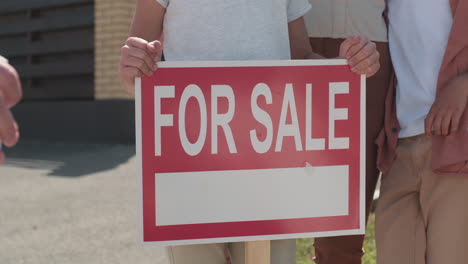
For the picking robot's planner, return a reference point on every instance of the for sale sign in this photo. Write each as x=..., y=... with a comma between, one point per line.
x=257, y=150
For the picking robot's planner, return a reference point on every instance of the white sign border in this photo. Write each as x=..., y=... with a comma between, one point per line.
x=260, y=63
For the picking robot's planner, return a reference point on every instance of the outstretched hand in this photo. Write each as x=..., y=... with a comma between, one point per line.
x=10, y=94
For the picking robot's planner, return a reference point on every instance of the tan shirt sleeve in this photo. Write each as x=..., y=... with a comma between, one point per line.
x=345, y=18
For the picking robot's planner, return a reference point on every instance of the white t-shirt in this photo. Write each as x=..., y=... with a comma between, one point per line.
x=418, y=36
x=212, y=30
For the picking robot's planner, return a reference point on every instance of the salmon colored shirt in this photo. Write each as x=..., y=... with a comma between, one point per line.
x=449, y=153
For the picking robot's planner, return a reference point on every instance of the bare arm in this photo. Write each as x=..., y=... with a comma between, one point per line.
x=148, y=20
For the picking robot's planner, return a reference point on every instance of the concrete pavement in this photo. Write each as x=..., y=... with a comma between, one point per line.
x=71, y=203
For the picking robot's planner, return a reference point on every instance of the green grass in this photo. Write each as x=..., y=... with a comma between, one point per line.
x=305, y=251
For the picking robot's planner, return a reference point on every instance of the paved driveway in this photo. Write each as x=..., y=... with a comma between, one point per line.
x=71, y=203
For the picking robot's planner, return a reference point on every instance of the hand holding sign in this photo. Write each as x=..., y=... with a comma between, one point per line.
x=138, y=58
x=362, y=55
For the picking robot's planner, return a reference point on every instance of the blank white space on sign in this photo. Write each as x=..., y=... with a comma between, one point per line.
x=251, y=195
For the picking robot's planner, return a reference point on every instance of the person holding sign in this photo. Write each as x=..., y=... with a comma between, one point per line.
x=328, y=24
x=212, y=30
x=10, y=94
x=422, y=215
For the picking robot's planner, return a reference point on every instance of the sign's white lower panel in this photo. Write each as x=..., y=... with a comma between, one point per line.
x=251, y=195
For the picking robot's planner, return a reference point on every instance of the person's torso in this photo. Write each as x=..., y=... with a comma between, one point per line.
x=346, y=18
x=229, y=30
x=418, y=35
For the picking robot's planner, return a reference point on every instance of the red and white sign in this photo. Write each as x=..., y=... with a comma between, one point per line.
x=250, y=150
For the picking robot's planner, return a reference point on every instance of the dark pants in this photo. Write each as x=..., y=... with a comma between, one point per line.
x=348, y=249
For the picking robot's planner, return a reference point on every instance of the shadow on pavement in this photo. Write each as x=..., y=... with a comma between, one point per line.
x=68, y=159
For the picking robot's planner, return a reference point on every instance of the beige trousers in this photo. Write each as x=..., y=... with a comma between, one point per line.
x=282, y=252
x=422, y=217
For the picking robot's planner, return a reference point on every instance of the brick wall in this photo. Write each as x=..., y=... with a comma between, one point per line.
x=112, y=23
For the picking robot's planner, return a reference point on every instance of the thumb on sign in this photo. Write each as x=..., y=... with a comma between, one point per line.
x=155, y=50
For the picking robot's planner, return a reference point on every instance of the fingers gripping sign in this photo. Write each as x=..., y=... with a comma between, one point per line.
x=362, y=55
x=138, y=58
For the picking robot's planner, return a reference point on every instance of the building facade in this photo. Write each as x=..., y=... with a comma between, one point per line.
x=67, y=54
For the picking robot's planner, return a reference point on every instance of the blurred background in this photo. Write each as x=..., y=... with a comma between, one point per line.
x=67, y=53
